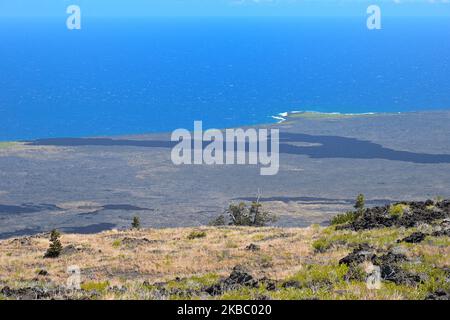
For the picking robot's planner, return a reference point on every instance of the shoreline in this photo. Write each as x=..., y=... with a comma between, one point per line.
x=278, y=119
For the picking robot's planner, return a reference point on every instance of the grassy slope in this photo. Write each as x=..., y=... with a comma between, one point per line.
x=308, y=255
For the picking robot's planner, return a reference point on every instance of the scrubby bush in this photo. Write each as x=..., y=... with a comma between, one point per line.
x=55, y=247
x=396, y=210
x=136, y=223
x=344, y=218
x=321, y=245
x=117, y=243
x=196, y=234
x=253, y=215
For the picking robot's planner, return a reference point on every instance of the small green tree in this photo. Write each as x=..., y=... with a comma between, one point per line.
x=136, y=223
x=55, y=247
x=360, y=202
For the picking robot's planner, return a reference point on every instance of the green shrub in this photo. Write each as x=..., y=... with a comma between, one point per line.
x=196, y=235
x=321, y=245
x=117, y=243
x=55, y=247
x=397, y=210
x=344, y=218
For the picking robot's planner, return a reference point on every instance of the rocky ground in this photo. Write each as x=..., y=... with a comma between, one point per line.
x=404, y=245
x=88, y=185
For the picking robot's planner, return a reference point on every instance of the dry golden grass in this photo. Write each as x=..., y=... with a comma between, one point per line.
x=130, y=258
x=168, y=254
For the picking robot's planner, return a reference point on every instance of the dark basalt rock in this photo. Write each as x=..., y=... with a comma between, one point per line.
x=439, y=295
x=389, y=258
x=441, y=233
x=239, y=277
x=443, y=229
x=393, y=273
x=418, y=212
x=388, y=263
x=36, y=293
x=360, y=254
x=291, y=284
x=415, y=237
x=43, y=273
x=252, y=247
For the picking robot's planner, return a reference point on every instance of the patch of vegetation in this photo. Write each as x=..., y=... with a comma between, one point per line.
x=377, y=237
x=321, y=245
x=344, y=218
x=351, y=216
x=117, y=243
x=258, y=237
x=397, y=210
x=196, y=235
x=435, y=278
x=252, y=216
x=95, y=286
x=317, y=274
x=55, y=247
x=231, y=244
x=136, y=223
x=443, y=242
x=194, y=283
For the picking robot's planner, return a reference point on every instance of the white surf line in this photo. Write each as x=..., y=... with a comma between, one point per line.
x=281, y=117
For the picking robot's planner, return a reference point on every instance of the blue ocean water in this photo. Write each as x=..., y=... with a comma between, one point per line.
x=123, y=76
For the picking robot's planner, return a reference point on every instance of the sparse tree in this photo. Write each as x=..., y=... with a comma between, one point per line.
x=253, y=215
x=55, y=247
x=360, y=202
x=136, y=223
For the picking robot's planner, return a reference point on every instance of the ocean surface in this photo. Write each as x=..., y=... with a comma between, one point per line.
x=125, y=76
